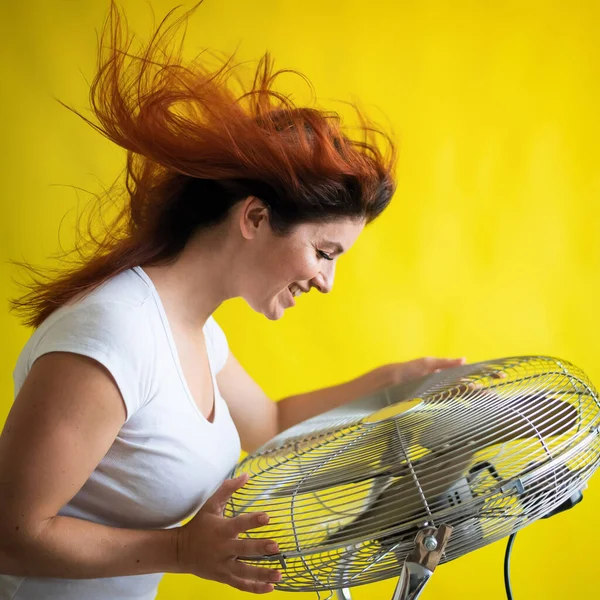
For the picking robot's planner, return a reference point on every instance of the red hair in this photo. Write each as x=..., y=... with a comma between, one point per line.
x=195, y=148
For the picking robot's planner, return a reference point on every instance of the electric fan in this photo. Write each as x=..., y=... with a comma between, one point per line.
x=422, y=473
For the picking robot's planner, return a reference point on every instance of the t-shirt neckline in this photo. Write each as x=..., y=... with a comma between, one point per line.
x=174, y=352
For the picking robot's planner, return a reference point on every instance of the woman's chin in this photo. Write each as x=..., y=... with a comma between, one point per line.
x=276, y=309
x=273, y=311
x=272, y=317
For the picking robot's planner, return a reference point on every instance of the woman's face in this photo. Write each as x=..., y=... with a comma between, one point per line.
x=279, y=268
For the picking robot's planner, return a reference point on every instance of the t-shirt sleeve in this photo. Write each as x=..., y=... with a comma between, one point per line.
x=112, y=333
x=218, y=342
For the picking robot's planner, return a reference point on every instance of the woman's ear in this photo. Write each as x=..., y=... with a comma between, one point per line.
x=253, y=215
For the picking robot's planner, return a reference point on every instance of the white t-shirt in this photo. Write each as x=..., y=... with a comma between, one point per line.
x=167, y=459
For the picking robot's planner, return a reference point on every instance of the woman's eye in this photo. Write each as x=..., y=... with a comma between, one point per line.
x=324, y=255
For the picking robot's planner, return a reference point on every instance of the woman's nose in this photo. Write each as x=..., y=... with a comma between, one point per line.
x=324, y=279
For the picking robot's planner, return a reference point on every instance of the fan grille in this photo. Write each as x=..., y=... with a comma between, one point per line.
x=486, y=448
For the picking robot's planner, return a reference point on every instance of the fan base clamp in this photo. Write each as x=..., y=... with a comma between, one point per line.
x=419, y=564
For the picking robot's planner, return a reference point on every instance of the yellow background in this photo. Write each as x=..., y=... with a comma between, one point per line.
x=490, y=247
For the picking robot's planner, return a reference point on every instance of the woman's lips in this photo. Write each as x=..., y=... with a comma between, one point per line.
x=292, y=299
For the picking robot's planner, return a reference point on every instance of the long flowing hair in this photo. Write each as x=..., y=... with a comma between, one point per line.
x=194, y=148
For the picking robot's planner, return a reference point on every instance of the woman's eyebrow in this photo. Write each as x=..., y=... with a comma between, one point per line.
x=336, y=245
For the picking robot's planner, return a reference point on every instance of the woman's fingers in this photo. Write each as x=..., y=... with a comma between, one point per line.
x=473, y=386
x=431, y=364
x=245, y=522
x=250, y=572
x=248, y=548
x=212, y=546
x=445, y=363
x=216, y=503
x=254, y=587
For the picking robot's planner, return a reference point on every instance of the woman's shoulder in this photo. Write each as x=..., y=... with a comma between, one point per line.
x=110, y=311
x=113, y=319
x=109, y=325
x=128, y=288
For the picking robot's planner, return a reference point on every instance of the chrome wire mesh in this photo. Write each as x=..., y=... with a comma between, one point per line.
x=486, y=448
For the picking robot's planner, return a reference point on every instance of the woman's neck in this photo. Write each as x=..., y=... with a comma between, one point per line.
x=197, y=282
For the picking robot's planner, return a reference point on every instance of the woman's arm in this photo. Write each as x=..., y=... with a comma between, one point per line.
x=295, y=409
x=65, y=547
x=66, y=416
x=259, y=419
x=64, y=420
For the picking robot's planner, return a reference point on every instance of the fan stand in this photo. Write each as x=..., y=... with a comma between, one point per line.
x=419, y=564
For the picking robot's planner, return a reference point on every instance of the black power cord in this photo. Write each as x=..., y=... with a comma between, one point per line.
x=509, y=546
x=570, y=502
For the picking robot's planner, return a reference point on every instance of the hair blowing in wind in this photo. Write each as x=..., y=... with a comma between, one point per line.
x=198, y=140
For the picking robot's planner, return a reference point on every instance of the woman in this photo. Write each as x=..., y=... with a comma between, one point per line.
x=130, y=410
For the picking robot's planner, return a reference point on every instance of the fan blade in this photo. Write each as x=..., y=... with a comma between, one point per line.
x=402, y=499
x=523, y=416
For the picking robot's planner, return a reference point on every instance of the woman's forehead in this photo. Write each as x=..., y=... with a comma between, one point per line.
x=342, y=232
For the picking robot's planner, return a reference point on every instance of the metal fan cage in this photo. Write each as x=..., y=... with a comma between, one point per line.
x=485, y=448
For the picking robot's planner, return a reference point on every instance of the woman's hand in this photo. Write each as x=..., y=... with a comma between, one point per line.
x=395, y=373
x=208, y=545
